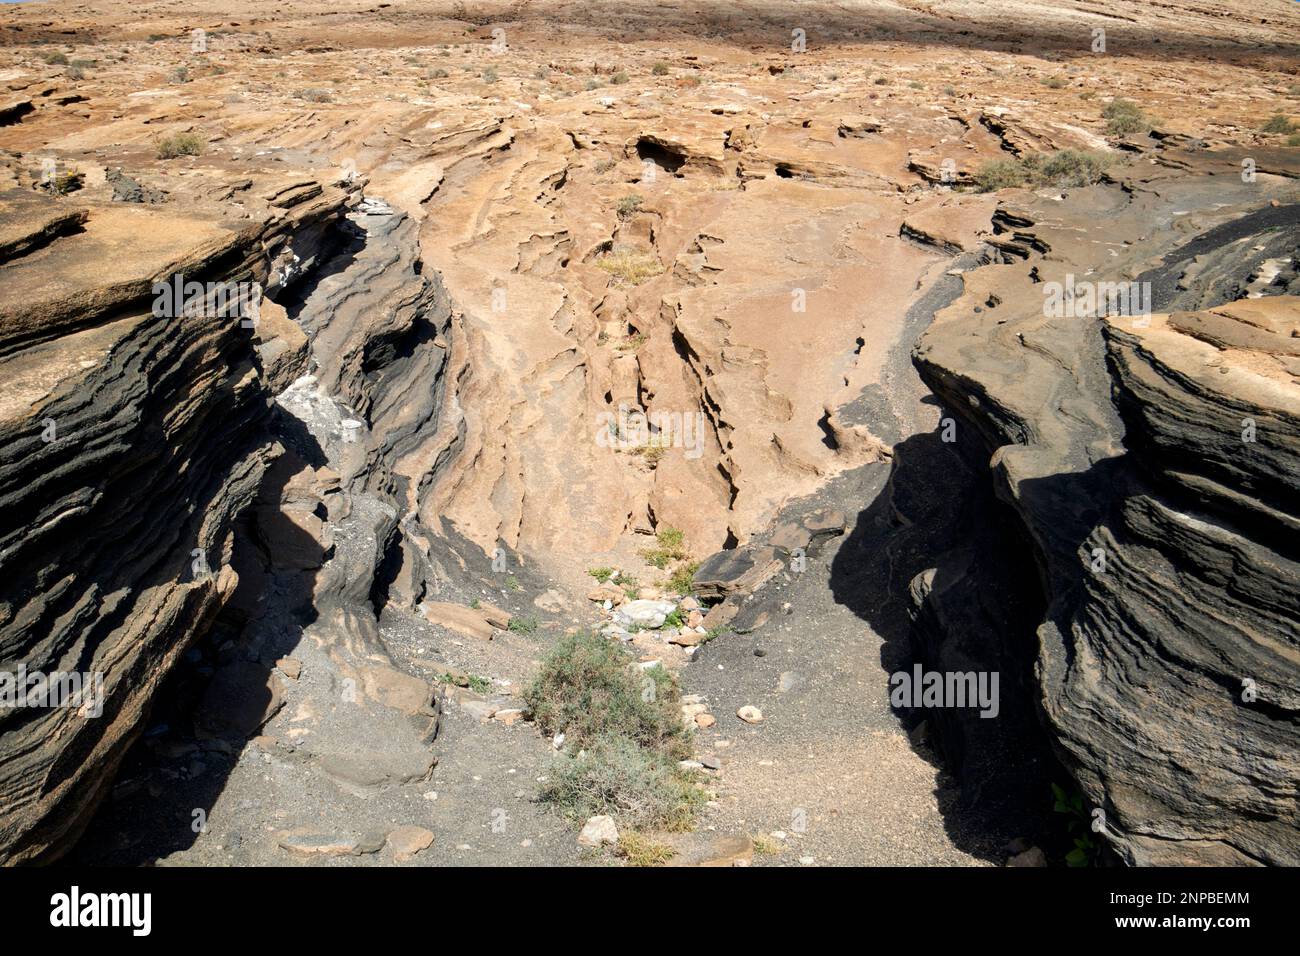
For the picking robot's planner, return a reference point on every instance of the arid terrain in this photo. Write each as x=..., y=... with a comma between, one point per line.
x=630, y=392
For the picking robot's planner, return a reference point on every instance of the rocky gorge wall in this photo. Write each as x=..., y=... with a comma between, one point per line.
x=1150, y=465
x=221, y=480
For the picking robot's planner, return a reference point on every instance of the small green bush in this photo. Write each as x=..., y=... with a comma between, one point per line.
x=629, y=204
x=489, y=75
x=180, y=144
x=619, y=78
x=1279, y=123
x=672, y=547
x=523, y=624
x=1067, y=168
x=1125, y=118
x=683, y=577
x=55, y=59
x=1070, y=167
x=601, y=574
x=1054, y=82
x=589, y=687
x=1000, y=174
x=614, y=776
x=660, y=68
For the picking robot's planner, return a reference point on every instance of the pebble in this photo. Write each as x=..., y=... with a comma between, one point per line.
x=407, y=841
x=750, y=714
x=598, y=831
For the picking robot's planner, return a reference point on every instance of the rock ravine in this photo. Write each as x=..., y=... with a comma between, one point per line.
x=907, y=395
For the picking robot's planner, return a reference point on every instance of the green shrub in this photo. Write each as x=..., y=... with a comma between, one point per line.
x=1067, y=168
x=1125, y=118
x=614, y=776
x=601, y=574
x=660, y=68
x=1000, y=174
x=683, y=578
x=672, y=547
x=180, y=144
x=1054, y=82
x=1293, y=139
x=523, y=624
x=489, y=75
x=55, y=59
x=619, y=78
x=1279, y=123
x=589, y=687
x=639, y=850
x=628, y=205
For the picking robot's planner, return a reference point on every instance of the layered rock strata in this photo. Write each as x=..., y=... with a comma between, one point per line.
x=1150, y=464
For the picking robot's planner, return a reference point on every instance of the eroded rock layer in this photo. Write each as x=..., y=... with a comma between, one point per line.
x=1151, y=461
x=139, y=436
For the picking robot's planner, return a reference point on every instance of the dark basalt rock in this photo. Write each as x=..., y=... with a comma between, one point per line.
x=1163, y=538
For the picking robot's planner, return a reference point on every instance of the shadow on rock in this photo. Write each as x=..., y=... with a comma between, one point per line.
x=229, y=684
x=939, y=570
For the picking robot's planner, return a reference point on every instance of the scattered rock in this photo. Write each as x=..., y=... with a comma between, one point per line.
x=458, y=618
x=508, y=715
x=479, y=709
x=407, y=841
x=598, y=831
x=1031, y=857
x=750, y=714
x=497, y=617
x=330, y=844
x=290, y=667
x=644, y=613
